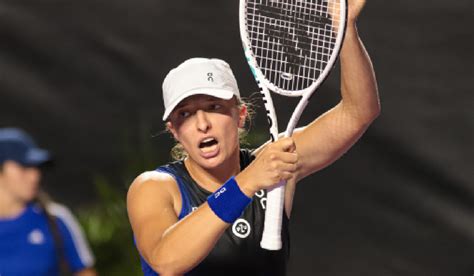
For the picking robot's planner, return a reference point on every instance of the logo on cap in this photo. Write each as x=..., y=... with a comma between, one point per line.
x=210, y=77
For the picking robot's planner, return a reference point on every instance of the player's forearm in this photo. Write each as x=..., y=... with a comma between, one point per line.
x=188, y=242
x=358, y=83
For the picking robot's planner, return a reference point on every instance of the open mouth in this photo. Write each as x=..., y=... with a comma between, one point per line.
x=208, y=144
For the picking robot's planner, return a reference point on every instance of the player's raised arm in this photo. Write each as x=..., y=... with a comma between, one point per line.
x=291, y=49
x=332, y=134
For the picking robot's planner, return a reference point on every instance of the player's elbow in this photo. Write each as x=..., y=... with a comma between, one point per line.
x=362, y=112
x=167, y=264
x=165, y=267
x=373, y=112
x=368, y=113
x=362, y=118
x=375, y=107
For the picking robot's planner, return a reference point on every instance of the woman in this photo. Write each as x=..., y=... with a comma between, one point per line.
x=203, y=215
x=37, y=237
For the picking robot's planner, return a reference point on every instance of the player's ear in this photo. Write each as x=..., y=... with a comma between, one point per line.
x=242, y=115
x=172, y=130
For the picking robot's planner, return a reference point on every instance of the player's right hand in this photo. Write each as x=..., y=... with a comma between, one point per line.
x=277, y=162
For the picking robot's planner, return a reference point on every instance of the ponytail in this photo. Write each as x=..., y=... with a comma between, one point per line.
x=43, y=200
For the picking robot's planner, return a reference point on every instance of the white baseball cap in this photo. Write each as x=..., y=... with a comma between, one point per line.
x=195, y=76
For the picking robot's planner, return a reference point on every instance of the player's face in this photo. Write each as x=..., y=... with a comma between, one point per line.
x=19, y=182
x=207, y=127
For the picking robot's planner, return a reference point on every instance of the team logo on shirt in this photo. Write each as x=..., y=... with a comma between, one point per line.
x=36, y=237
x=241, y=228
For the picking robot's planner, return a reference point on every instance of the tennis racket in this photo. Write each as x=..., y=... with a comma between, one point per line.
x=291, y=46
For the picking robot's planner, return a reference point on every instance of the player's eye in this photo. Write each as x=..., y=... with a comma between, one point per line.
x=184, y=114
x=215, y=106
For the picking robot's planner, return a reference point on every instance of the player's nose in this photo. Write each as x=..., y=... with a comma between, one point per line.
x=202, y=121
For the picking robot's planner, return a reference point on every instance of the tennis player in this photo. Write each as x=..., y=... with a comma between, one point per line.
x=37, y=237
x=203, y=214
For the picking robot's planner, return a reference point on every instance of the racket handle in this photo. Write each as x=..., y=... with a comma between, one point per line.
x=271, y=237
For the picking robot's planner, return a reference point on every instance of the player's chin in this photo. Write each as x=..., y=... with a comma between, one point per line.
x=211, y=161
x=214, y=161
x=28, y=196
x=209, y=153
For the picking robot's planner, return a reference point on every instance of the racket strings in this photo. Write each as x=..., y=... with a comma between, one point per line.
x=292, y=40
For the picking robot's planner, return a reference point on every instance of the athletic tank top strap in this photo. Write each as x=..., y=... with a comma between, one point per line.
x=176, y=172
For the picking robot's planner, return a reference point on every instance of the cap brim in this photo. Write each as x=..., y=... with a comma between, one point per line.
x=36, y=157
x=218, y=93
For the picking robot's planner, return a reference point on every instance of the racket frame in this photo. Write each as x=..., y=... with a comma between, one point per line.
x=271, y=237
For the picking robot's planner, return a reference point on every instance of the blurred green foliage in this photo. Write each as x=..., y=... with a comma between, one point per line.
x=108, y=231
x=105, y=223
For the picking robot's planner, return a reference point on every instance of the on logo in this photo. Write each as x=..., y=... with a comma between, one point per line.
x=241, y=228
x=263, y=199
x=210, y=77
x=221, y=191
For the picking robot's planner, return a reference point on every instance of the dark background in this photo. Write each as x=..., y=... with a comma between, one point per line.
x=84, y=77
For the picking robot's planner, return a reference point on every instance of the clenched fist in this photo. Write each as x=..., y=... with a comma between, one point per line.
x=278, y=161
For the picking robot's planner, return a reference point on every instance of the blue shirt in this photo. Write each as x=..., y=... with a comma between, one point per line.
x=27, y=243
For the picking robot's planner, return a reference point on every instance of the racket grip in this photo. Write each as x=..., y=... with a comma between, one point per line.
x=271, y=237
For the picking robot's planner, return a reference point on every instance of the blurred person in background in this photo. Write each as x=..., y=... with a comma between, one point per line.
x=37, y=236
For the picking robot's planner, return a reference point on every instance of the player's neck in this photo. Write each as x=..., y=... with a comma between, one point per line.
x=212, y=179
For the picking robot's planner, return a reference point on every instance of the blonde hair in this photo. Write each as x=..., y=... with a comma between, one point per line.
x=178, y=152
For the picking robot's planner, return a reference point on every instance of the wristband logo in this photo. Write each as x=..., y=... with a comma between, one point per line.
x=241, y=228
x=220, y=192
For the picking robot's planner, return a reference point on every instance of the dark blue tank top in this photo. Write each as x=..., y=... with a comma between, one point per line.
x=238, y=251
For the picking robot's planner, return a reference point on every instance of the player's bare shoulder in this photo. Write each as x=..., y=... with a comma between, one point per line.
x=153, y=186
x=151, y=180
x=153, y=177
